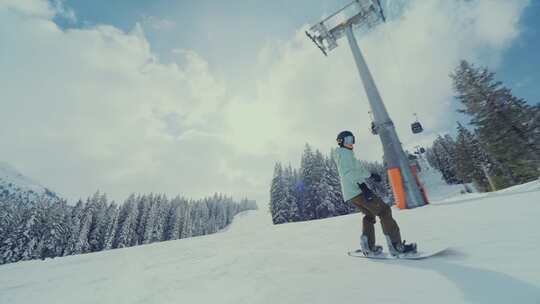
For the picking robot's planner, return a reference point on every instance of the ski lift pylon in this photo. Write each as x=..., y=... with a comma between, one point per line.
x=374, y=130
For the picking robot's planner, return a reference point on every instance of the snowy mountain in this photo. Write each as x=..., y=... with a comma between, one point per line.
x=16, y=187
x=493, y=259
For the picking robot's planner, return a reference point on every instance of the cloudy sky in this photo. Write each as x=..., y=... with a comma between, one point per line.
x=197, y=97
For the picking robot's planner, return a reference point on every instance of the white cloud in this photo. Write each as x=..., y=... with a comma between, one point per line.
x=63, y=11
x=84, y=109
x=93, y=108
x=158, y=23
x=36, y=9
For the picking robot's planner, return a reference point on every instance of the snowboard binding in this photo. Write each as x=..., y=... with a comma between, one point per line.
x=401, y=248
x=367, y=250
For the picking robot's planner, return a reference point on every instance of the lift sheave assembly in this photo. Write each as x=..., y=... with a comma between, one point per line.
x=361, y=15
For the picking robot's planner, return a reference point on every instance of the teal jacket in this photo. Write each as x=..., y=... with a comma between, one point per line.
x=350, y=171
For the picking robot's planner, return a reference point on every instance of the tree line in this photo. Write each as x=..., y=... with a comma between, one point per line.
x=503, y=147
x=314, y=190
x=49, y=228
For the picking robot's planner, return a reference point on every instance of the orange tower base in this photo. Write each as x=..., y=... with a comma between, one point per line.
x=396, y=181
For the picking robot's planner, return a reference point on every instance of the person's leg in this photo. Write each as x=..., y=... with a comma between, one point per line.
x=368, y=229
x=378, y=208
x=368, y=222
x=388, y=224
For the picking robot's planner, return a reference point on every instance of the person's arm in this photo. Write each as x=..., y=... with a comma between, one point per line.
x=358, y=174
x=365, y=173
x=352, y=169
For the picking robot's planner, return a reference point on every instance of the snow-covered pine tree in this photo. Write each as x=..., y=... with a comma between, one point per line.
x=160, y=222
x=110, y=226
x=205, y=218
x=230, y=209
x=199, y=218
x=174, y=220
x=278, y=199
x=212, y=205
x=28, y=237
x=144, y=204
x=149, y=219
x=247, y=204
x=49, y=227
x=10, y=219
x=533, y=124
x=55, y=231
x=291, y=204
x=309, y=175
x=214, y=209
x=318, y=190
x=297, y=193
x=75, y=226
x=442, y=156
x=187, y=227
x=327, y=204
x=210, y=224
x=470, y=159
x=98, y=229
x=433, y=159
x=66, y=233
x=81, y=245
x=194, y=218
x=127, y=223
x=11, y=246
x=506, y=124
x=221, y=217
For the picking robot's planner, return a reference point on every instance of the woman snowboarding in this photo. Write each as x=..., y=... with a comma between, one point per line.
x=353, y=178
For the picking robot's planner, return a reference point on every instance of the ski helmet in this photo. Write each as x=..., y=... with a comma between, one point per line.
x=345, y=137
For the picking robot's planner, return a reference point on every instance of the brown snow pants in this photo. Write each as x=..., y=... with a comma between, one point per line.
x=371, y=209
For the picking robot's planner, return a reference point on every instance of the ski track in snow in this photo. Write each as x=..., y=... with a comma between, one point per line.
x=494, y=240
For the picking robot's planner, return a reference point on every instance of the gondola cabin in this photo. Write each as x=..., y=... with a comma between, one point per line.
x=416, y=127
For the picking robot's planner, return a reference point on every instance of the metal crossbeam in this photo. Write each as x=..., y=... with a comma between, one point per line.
x=363, y=14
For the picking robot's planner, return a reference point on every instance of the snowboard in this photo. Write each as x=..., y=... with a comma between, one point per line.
x=421, y=254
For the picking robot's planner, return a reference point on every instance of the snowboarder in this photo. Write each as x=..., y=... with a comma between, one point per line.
x=355, y=190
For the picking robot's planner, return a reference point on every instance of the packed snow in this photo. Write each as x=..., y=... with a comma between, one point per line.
x=493, y=258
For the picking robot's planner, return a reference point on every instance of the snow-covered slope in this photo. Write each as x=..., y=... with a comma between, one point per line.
x=437, y=189
x=16, y=186
x=494, y=259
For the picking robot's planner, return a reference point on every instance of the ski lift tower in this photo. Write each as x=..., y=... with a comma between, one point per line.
x=364, y=15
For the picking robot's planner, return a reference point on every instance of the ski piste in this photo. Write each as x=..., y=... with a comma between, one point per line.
x=422, y=254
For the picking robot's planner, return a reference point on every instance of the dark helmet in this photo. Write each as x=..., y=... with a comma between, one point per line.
x=345, y=137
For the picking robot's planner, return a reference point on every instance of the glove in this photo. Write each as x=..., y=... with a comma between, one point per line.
x=366, y=192
x=375, y=177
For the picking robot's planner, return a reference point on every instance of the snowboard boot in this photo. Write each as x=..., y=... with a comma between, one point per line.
x=400, y=248
x=366, y=249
